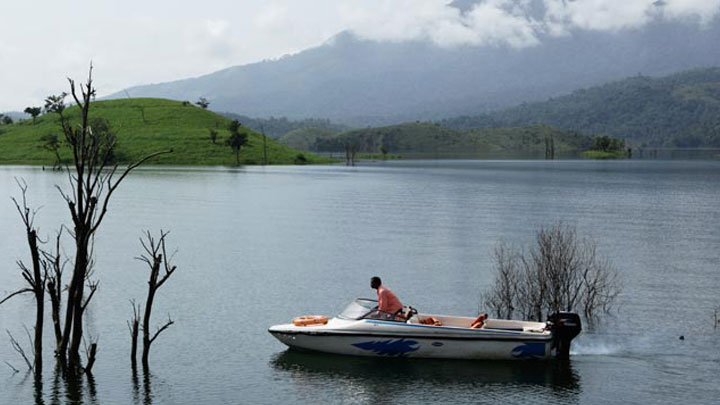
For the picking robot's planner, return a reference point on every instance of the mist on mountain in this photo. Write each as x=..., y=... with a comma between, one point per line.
x=359, y=81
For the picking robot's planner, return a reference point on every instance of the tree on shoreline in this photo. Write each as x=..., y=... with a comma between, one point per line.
x=236, y=140
x=50, y=142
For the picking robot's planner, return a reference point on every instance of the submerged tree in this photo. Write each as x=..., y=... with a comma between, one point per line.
x=501, y=299
x=54, y=264
x=351, y=149
x=161, y=268
x=93, y=179
x=34, y=276
x=562, y=272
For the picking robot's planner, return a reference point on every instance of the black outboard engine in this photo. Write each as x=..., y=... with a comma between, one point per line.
x=564, y=326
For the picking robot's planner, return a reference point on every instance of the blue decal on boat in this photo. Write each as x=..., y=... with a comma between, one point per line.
x=399, y=347
x=437, y=344
x=529, y=350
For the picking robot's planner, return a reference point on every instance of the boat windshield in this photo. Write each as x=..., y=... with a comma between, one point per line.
x=358, y=309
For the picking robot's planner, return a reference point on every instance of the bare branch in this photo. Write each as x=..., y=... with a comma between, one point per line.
x=18, y=292
x=113, y=186
x=18, y=348
x=93, y=285
x=90, y=353
x=162, y=328
x=13, y=368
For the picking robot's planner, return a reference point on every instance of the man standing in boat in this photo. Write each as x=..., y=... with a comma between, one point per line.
x=388, y=303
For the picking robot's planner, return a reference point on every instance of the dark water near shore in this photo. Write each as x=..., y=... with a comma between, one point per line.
x=257, y=246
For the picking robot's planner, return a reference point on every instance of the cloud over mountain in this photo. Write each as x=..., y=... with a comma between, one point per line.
x=515, y=23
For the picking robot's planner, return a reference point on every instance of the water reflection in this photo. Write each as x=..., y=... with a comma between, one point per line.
x=38, y=389
x=143, y=396
x=410, y=380
x=64, y=387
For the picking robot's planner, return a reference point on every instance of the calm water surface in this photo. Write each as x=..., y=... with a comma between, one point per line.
x=257, y=246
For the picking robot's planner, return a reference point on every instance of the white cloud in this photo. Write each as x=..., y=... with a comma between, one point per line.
x=514, y=23
x=703, y=11
x=489, y=23
x=216, y=28
x=598, y=15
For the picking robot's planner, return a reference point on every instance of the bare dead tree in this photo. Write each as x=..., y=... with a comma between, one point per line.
x=34, y=276
x=54, y=265
x=532, y=288
x=134, y=327
x=562, y=272
x=265, y=155
x=561, y=260
x=350, y=151
x=601, y=288
x=93, y=178
x=502, y=298
x=157, y=259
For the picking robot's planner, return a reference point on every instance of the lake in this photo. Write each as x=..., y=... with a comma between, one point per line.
x=257, y=246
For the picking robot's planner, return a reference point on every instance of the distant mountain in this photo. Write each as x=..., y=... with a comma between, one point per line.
x=434, y=140
x=680, y=110
x=361, y=82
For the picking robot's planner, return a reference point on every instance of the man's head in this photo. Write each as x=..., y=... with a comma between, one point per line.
x=375, y=282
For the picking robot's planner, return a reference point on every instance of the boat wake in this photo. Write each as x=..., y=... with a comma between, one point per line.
x=594, y=348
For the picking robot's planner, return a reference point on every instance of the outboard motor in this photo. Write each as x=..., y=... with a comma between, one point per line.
x=564, y=326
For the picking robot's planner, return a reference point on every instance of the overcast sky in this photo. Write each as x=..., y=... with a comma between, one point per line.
x=135, y=42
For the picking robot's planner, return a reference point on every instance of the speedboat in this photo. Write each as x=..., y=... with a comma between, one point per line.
x=362, y=330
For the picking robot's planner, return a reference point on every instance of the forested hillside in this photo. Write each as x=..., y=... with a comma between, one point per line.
x=681, y=110
x=434, y=140
x=276, y=127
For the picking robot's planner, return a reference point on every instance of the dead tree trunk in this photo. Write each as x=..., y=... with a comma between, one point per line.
x=133, y=326
x=34, y=277
x=54, y=268
x=157, y=259
x=265, y=159
x=93, y=179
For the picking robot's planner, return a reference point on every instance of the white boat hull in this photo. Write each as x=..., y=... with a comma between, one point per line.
x=392, y=339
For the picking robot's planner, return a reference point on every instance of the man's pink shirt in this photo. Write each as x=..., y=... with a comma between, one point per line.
x=387, y=301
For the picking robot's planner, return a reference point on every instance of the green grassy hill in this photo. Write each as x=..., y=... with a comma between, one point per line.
x=434, y=140
x=681, y=110
x=144, y=126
